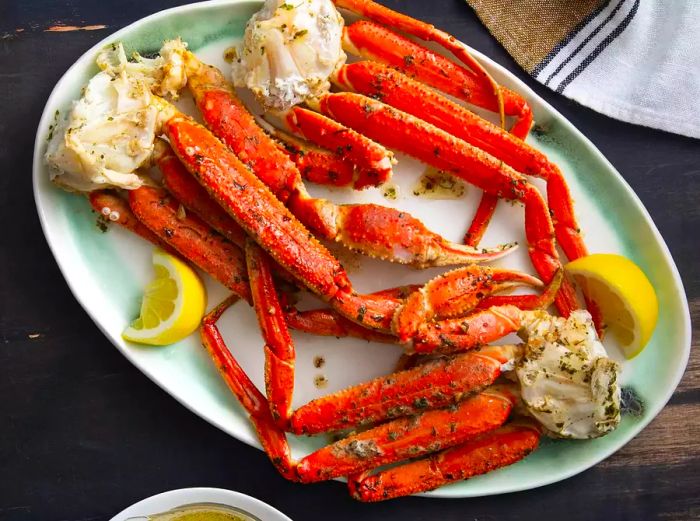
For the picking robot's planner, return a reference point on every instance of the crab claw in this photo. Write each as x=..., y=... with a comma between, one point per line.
x=388, y=233
x=453, y=294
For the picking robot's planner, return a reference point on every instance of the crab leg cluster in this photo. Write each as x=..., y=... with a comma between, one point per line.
x=233, y=203
x=375, y=230
x=438, y=409
x=390, y=99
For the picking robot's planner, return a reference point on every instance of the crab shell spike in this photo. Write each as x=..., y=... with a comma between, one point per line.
x=436, y=383
x=272, y=438
x=495, y=449
x=454, y=294
x=436, y=147
x=279, y=347
x=374, y=162
x=427, y=32
x=192, y=238
x=408, y=438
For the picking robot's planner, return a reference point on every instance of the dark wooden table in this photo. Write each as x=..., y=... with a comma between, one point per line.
x=83, y=433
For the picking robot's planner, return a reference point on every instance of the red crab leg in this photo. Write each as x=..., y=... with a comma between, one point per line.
x=105, y=202
x=429, y=33
x=434, y=146
x=178, y=181
x=488, y=452
x=482, y=327
x=453, y=294
x=449, y=335
x=267, y=220
x=482, y=218
x=375, y=230
x=279, y=347
x=316, y=164
x=436, y=383
x=326, y=322
x=403, y=93
x=374, y=161
x=191, y=237
x=323, y=322
x=408, y=438
x=378, y=43
x=272, y=438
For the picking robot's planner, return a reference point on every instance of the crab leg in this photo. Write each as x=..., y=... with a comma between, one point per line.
x=434, y=146
x=375, y=230
x=378, y=43
x=482, y=218
x=279, y=347
x=401, y=92
x=314, y=163
x=272, y=438
x=373, y=160
x=407, y=438
x=488, y=452
x=106, y=202
x=267, y=220
x=178, y=181
x=323, y=322
x=393, y=441
x=453, y=294
x=437, y=383
x=191, y=237
x=326, y=322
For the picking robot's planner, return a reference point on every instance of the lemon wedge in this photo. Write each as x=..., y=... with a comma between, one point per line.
x=173, y=303
x=626, y=298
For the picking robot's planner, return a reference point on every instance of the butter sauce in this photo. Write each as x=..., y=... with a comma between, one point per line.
x=202, y=512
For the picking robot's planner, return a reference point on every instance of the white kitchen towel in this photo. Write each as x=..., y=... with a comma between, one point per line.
x=634, y=60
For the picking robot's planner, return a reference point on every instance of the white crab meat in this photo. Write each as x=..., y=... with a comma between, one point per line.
x=290, y=49
x=567, y=381
x=110, y=131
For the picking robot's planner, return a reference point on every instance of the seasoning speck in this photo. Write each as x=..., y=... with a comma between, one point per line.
x=319, y=362
x=230, y=54
x=436, y=184
x=102, y=223
x=391, y=192
x=320, y=381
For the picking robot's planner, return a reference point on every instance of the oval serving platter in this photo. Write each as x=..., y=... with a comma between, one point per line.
x=106, y=270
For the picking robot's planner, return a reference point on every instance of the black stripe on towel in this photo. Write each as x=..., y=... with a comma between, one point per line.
x=600, y=48
x=584, y=42
x=558, y=47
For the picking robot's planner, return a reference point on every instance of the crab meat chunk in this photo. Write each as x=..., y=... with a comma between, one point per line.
x=290, y=49
x=110, y=131
x=567, y=381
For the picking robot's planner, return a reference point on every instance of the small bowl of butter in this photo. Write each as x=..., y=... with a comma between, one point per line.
x=201, y=504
